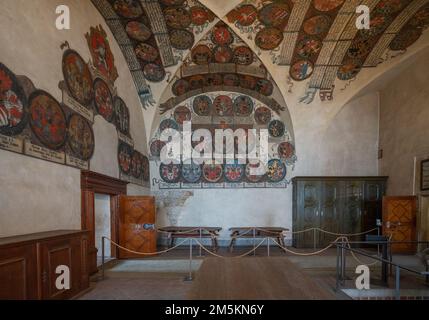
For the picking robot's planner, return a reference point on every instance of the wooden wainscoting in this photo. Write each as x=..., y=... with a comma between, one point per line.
x=28, y=265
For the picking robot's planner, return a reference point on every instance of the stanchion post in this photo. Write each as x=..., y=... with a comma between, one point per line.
x=427, y=270
x=189, y=277
x=337, y=275
x=384, y=265
x=201, y=238
x=398, y=280
x=102, y=257
x=268, y=246
x=378, y=245
x=314, y=238
x=254, y=241
x=343, y=262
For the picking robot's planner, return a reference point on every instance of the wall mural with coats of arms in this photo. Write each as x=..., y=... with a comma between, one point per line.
x=34, y=123
x=222, y=84
x=319, y=41
x=315, y=41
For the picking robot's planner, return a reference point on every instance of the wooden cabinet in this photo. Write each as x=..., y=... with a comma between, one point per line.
x=137, y=230
x=28, y=265
x=335, y=204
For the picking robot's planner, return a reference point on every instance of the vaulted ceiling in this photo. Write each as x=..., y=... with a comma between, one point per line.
x=173, y=43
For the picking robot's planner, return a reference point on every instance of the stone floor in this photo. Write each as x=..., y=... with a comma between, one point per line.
x=169, y=285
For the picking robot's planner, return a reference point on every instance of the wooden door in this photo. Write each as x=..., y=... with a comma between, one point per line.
x=352, y=209
x=55, y=253
x=307, y=212
x=137, y=225
x=329, y=213
x=399, y=221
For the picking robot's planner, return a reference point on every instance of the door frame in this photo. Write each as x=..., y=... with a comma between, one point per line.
x=92, y=183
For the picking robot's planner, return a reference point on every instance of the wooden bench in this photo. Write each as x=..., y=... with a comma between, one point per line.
x=192, y=232
x=257, y=233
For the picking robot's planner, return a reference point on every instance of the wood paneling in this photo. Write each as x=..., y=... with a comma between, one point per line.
x=18, y=269
x=346, y=205
x=28, y=264
x=137, y=225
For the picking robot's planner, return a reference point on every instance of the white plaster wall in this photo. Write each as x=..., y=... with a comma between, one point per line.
x=404, y=125
x=38, y=195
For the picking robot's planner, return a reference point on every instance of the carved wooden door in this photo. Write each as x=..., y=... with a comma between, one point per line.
x=308, y=211
x=137, y=230
x=329, y=213
x=352, y=209
x=399, y=221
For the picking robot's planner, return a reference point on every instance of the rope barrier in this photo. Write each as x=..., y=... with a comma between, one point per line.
x=229, y=257
x=341, y=237
x=144, y=253
x=307, y=254
x=273, y=232
x=347, y=234
x=244, y=254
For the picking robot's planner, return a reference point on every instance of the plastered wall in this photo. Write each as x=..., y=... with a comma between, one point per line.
x=404, y=130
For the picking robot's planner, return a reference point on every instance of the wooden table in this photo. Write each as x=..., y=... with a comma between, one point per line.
x=257, y=233
x=192, y=232
x=254, y=278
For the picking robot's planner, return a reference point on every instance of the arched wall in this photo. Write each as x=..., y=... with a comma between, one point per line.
x=338, y=137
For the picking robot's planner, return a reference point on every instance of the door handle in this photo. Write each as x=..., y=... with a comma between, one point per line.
x=321, y=213
x=317, y=213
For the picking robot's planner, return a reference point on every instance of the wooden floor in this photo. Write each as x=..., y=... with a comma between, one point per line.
x=254, y=278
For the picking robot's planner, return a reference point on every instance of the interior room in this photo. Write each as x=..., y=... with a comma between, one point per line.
x=214, y=150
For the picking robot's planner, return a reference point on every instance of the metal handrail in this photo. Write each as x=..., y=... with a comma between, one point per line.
x=379, y=259
x=398, y=267
x=387, y=241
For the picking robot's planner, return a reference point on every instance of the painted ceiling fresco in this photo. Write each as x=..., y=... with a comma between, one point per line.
x=319, y=40
x=151, y=32
x=222, y=61
x=316, y=39
x=213, y=69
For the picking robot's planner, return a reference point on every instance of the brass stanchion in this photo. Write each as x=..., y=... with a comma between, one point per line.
x=189, y=276
x=102, y=258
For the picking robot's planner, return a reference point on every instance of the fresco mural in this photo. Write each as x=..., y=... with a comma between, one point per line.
x=226, y=110
x=153, y=34
x=319, y=41
x=34, y=123
x=221, y=60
